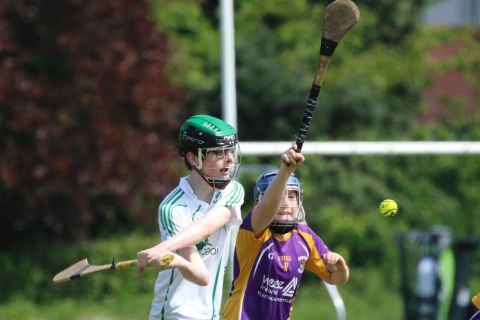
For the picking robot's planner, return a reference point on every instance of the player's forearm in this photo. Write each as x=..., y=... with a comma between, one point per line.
x=188, y=261
x=194, y=271
x=198, y=231
x=264, y=212
x=273, y=195
x=186, y=238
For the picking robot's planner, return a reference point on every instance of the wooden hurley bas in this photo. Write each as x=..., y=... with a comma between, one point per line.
x=83, y=268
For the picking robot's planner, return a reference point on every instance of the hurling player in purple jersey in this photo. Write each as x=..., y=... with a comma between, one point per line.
x=274, y=246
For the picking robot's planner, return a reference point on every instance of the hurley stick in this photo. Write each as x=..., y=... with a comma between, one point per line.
x=339, y=17
x=83, y=268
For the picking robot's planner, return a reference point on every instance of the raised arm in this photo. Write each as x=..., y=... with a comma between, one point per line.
x=264, y=212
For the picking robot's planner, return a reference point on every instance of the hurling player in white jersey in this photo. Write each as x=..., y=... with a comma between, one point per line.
x=196, y=221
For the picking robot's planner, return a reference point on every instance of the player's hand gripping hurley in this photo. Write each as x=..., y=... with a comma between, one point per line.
x=339, y=17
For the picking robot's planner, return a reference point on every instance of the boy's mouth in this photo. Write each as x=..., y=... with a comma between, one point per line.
x=225, y=170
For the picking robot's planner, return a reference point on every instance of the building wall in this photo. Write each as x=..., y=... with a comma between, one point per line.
x=453, y=12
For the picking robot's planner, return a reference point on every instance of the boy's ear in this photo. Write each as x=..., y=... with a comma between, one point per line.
x=192, y=159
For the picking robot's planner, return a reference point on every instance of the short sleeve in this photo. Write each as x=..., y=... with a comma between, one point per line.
x=232, y=196
x=172, y=215
x=246, y=243
x=317, y=249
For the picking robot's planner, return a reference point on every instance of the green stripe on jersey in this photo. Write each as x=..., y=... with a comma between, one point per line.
x=235, y=195
x=166, y=295
x=217, y=196
x=166, y=207
x=215, y=284
x=166, y=210
x=196, y=212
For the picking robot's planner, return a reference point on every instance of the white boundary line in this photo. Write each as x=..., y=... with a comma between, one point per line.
x=337, y=300
x=364, y=147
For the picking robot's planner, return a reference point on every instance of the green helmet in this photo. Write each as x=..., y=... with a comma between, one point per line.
x=202, y=134
x=203, y=131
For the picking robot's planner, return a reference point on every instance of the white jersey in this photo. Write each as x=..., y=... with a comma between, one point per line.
x=175, y=297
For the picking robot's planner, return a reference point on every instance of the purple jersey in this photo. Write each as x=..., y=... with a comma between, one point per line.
x=268, y=271
x=476, y=316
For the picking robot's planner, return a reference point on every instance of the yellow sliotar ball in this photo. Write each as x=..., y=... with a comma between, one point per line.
x=388, y=208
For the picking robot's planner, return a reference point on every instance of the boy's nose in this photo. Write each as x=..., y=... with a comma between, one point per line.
x=229, y=156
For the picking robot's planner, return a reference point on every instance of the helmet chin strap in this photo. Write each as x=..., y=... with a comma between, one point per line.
x=282, y=226
x=216, y=183
x=285, y=226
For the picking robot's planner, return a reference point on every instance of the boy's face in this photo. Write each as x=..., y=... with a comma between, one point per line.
x=288, y=206
x=219, y=163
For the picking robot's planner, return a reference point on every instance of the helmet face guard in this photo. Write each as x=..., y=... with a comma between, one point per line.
x=204, y=135
x=293, y=185
x=220, y=153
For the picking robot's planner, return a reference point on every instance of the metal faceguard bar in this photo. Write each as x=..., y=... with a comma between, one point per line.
x=300, y=215
x=219, y=183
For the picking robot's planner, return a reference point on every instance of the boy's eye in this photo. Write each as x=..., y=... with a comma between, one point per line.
x=292, y=194
x=217, y=154
x=222, y=153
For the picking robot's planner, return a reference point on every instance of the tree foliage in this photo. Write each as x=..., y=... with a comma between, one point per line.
x=87, y=116
x=277, y=46
x=394, y=20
